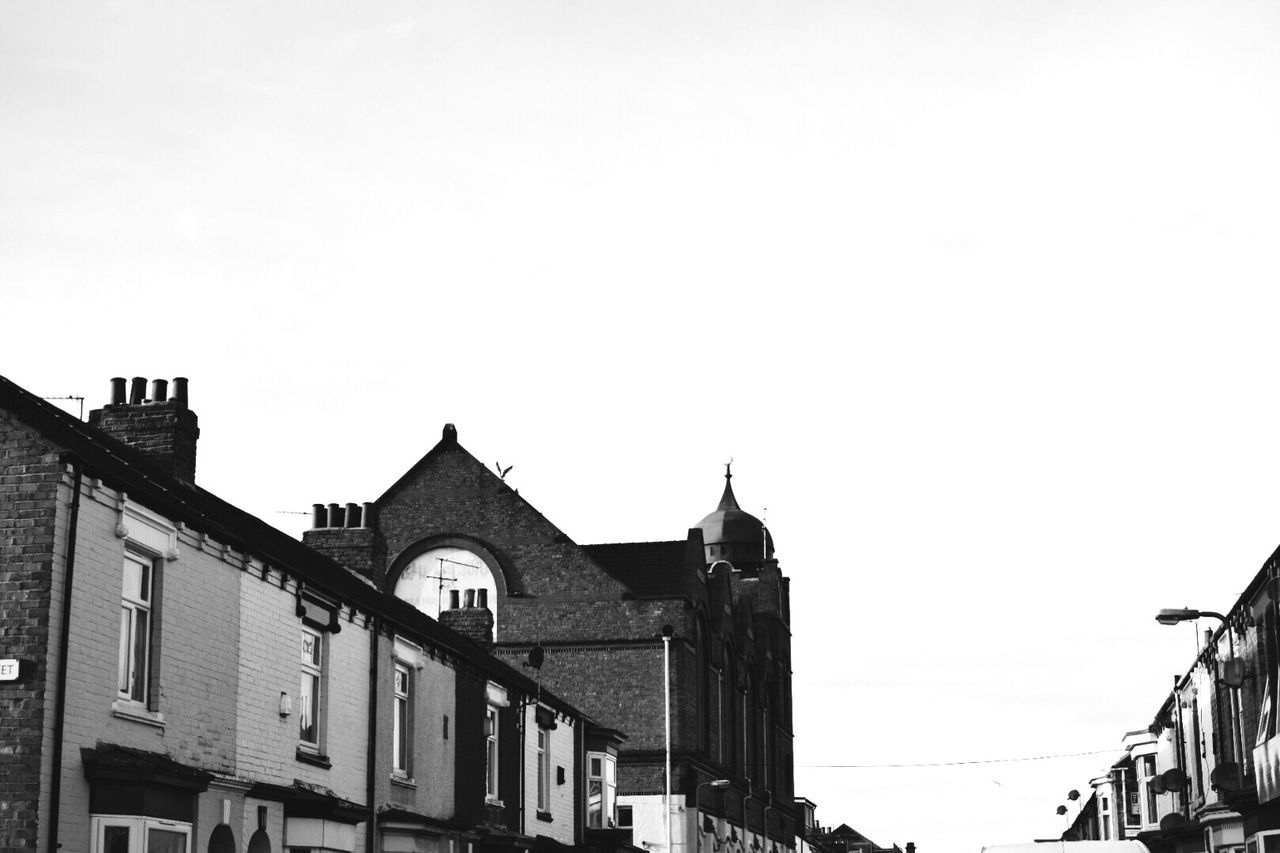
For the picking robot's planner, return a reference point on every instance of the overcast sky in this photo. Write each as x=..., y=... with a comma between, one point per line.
x=980, y=297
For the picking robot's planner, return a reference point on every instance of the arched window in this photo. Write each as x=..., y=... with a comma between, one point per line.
x=702, y=658
x=768, y=775
x=222, y=840
x=728, y=740
x=747, y=724
x=259, y=842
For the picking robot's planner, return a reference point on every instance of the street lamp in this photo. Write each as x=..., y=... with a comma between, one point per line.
x=697, y=804
x=1172, y=616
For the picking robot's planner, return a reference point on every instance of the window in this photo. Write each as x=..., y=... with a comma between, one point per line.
x=491, y=753
x=401, y=728
x=310, y=696
x=544, y=769
x=113, y=834
x=624, y=817
x=602, y=790
x=135, y=630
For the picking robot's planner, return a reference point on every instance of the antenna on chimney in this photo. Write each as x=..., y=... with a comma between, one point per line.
x=79, y=399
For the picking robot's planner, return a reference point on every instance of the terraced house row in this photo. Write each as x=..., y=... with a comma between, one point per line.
x=1204, y=775
x=438, y=669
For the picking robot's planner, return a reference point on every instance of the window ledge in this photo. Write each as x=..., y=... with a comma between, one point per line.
x=314, y=758
x=494, y=801
x=403, y=781
x=126, y=710
x=545, y=816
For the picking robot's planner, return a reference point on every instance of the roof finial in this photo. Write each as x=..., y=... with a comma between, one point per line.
x=727, y=500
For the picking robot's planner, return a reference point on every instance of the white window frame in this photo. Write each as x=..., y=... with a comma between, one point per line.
x=402, y=720
x=491, y=754
x=312, y=669
x=544, y=769
x=139, y=829
x=133, y=661
x=607, y=776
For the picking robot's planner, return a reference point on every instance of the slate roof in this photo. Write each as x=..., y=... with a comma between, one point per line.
x=134, y=472
x=649, y=569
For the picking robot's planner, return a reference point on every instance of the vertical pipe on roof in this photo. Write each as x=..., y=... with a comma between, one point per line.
x=159, y=390
x=117, y=391
x=352, y=517
x=180, y=391
x=138, y=390
x=318, y=516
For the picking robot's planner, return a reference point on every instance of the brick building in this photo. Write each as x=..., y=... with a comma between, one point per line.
x=456, y=542
x=176, y=675
x=1204, y=776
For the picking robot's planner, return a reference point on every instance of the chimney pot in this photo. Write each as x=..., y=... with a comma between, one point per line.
x=335, y=517
x=352, y=515
x=180, y=391
x=318, y=516
x=168, y=435
x=366, y=517
x=469, y=599
x=482, y=598
x=453, y=599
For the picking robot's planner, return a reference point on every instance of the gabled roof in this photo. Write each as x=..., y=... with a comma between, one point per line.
x=135, y=473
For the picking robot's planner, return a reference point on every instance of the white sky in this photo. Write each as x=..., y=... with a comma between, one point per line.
x=979, y=296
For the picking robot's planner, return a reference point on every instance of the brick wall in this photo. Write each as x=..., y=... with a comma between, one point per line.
x=430, y=790
x=451, y=492
x=167, y=432
x=29, y=480
x=561, y=796
x=194, y=646
x=270, y=664
x=360, y=549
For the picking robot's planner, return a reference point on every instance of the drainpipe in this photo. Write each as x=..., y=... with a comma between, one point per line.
x=1180, y=744
x=64, y=643
x=523, y=729
x=371, y=837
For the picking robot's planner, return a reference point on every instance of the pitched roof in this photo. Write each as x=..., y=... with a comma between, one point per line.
x=645, y=568
x=134, y=472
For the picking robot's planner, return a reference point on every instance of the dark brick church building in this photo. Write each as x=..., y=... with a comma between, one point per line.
x=457, y=542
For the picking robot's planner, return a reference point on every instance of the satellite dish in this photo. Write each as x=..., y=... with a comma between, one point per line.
x=1157, y=785
x=1232, y=672
x=1226, y=777
x=536, y=656
x=1073, y=795
x=1170, y=820
x=1062, y=809
x=1174, y=780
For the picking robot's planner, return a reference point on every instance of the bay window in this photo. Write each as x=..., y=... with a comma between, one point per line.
x=126, y=834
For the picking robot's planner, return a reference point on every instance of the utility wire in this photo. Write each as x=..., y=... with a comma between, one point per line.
x=961, y=763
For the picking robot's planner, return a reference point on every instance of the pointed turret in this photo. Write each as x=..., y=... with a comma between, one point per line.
x=731, y=534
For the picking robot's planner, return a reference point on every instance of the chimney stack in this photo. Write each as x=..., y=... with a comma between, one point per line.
x=474, y=620
x=162, y=427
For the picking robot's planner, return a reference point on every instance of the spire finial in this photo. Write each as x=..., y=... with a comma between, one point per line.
x=727, y=500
